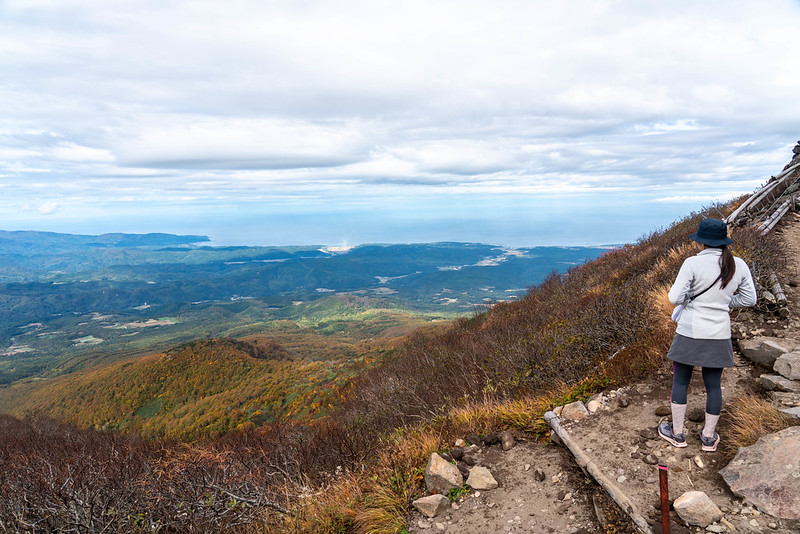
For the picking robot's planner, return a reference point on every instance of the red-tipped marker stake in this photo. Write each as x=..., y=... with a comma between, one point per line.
x=662, y=475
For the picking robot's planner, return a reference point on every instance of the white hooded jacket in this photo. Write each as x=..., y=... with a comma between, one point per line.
x=707, y=317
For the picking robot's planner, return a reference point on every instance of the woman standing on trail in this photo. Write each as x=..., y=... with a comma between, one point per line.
x=708, y=285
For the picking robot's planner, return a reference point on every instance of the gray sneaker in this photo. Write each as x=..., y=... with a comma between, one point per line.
x=665, y=431
x=709, y=444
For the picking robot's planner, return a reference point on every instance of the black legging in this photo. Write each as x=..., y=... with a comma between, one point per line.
x=712, y=378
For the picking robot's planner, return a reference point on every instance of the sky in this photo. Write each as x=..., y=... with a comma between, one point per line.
x=268, y=122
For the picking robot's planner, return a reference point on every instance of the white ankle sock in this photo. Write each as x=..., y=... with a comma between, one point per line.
x=710, y=426
x=678, y=415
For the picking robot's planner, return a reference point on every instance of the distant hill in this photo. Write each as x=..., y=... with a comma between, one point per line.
x=68, y=302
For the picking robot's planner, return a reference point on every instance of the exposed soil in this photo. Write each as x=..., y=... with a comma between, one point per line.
x=622, y=441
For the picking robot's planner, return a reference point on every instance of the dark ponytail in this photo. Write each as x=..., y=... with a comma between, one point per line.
x=727, y=266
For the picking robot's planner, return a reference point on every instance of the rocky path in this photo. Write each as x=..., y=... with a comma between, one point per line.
x=541, y=490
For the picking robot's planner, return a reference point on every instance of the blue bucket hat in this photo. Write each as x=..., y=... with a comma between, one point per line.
x=712, y=232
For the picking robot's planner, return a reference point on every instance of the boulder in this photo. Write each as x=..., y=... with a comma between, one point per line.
x=441, y=476
x=432, y=505
x=481, y=478
x=788, y=365
x=696, y=508
x=574, y=411
x=767, y=474
x=762, y=350
x=779, y=383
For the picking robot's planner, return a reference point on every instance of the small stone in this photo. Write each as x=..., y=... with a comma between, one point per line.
x=473, y=439
x=440, y=526
x=507, y=440
x=648, y=433
x=592, y=406
x=463, y=469
x=624, y=402
x=696, y=508
x=651, y=480
x=773, y=526
x=663, y=410
x=699, y=461
x=574, y=411
x=469, y=460
x=432, y=505
x=696, y=415
x=460, y=443
x=539, y=475
x=481, y=478
x=754, y=523
x=423, y=525
x=716, y=528
x=491, y=439
x=457, y=453
x=650, y=459
x=622, y=479
x=527, y=467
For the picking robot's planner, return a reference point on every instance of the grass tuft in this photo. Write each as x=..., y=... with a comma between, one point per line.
x=750, y=418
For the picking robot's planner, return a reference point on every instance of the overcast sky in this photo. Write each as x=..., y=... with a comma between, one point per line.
x=333, y=122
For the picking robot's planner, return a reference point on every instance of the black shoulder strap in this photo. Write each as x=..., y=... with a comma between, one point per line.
x=706, y=289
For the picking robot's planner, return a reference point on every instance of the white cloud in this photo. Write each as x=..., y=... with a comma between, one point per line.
x=48, y=208
x=221, y=103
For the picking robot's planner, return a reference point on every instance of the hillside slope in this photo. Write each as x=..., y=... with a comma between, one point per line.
x=202, y=389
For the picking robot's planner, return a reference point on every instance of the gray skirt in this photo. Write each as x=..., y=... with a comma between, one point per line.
x=702, y=352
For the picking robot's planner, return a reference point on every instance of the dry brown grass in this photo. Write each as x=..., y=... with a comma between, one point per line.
x=750, y=418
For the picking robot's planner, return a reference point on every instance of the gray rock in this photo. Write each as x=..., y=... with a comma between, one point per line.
x=481, y=478
x=794, y=413
x=574, y=411
x=779, y=383
x=788, y=365
x=491, y=439
x=473, y=439
x=767, y=474
x=441, y=475
x=507, y=440
x=457, y=453
x=469, y=459
x=696, y=508
x=432, y=505
x=786, y=398
x=762, y=350
x=463, y=469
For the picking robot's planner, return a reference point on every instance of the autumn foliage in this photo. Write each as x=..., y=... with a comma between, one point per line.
x=602, y=323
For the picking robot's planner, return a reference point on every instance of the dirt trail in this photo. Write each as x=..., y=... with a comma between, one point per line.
x=621, y=438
